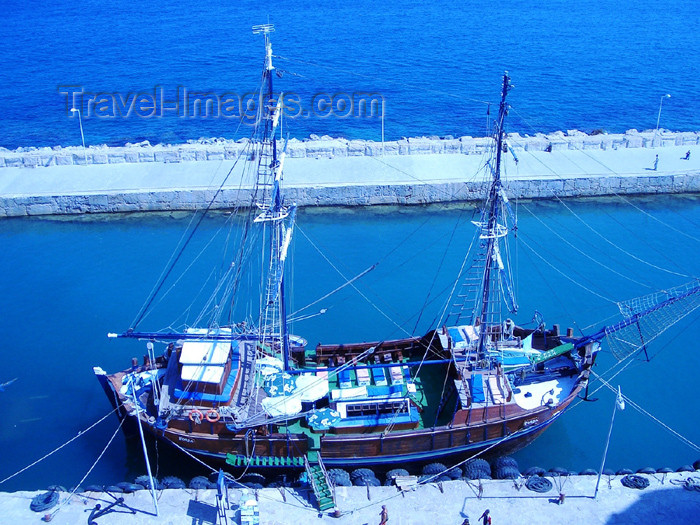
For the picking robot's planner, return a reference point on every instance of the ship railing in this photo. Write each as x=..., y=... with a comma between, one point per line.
x=325, y=474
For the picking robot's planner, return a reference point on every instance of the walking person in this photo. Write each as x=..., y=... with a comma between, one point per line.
x=384, y=516
x=486, y=517
x=687, y=155
x=656, y=163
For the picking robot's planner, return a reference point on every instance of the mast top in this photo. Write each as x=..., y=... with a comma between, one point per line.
x=266, y=29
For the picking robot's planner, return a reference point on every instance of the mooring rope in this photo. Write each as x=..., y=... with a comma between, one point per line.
x=691, y=483
x=79, y=434
x=646, y=413
x=635, y=482
x=538, y=484
x=67, y=499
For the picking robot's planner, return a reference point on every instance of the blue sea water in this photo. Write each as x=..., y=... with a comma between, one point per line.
x=586, y=65
x=576, y=65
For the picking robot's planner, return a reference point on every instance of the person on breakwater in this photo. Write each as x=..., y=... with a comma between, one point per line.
x=687, y=155
x=384, y=515
x=656, y=163
x=486, y=517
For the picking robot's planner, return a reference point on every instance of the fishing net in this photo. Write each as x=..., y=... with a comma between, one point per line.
x=649, y=316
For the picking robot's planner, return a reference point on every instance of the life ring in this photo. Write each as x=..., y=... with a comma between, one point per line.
x=196, y=416
x=213, y=415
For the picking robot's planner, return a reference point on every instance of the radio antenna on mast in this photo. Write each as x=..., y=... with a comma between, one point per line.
x=263, y=28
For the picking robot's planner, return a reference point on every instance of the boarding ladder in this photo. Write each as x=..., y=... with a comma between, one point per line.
x=320, y=483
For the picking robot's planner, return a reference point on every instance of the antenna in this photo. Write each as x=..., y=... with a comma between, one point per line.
x=263, y=28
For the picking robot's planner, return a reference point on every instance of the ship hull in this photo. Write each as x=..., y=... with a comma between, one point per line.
x=494, y=435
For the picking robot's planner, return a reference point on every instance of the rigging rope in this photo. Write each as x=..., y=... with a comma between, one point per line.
x=650, y=246
x=585, y=254
x=439, y=187
x=627, y=362
x=174, y=260
x=373, y=305
x=565, y=275
x=435, y=277
x=79, y=434
x=646, y=413
x=67, y=499
x=593, y=158
x=358, y=276
x=665, y=224
x=629, y=254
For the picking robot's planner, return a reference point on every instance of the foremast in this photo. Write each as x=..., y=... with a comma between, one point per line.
x=495, y=284
x=274, y=212
x=277, y=219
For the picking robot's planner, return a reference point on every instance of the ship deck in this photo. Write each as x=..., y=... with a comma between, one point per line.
x=424, y=390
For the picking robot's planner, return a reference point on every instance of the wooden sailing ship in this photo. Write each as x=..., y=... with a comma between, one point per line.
x=252, y=394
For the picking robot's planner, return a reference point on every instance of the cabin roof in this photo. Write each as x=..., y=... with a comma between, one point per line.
x=205, y=352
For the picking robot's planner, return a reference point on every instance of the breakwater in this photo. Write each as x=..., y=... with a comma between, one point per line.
x=325, y=171
x=329, y=147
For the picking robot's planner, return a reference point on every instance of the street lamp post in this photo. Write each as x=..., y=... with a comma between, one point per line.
x=658, y=118
x=383, y=126
x=82, y=135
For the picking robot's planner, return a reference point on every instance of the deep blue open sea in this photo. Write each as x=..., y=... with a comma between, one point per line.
x=586, y=65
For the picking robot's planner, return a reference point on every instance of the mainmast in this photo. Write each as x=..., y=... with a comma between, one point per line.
x=492, y=229
x=273, y=210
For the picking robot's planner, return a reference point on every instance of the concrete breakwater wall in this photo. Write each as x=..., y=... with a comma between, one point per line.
x=339, y=172
x=354, y=195
x=328, y=147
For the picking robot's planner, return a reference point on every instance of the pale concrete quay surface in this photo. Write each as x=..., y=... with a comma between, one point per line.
x=332, y=172
x=666, y=502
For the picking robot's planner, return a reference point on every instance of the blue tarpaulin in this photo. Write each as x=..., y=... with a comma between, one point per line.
x=477, y=386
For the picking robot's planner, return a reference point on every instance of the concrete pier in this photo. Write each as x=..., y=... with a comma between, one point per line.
x=664, y=501
x=339, y=172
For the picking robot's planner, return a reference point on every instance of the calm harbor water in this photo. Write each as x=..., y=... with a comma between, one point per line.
x=66, y=282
